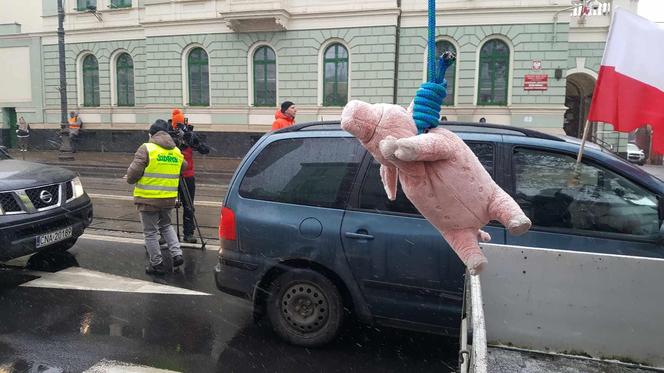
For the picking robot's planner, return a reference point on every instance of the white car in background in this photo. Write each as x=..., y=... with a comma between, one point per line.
x=635, y=155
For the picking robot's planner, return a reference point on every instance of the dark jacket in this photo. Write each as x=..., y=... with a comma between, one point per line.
x=137, y=167
x=282, y=120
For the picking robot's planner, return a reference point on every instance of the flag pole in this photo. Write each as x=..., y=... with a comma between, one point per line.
x=583, y=143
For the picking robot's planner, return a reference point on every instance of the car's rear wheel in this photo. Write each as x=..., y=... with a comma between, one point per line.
x=305, y=308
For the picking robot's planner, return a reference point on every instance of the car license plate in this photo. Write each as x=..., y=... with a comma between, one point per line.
x=53, y=237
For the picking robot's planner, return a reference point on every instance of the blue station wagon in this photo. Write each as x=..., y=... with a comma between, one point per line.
x=309, y=235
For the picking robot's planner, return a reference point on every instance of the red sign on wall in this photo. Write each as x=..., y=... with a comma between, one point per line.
x=535, y=82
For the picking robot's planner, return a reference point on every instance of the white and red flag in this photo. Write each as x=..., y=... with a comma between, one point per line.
x=630, y=88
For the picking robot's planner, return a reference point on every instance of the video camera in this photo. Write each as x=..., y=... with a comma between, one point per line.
x=184, y=136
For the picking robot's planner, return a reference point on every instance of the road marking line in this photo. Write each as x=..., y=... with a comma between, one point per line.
x=76, y=278
x=112, y=366
x=130, y=198
x=139, y=241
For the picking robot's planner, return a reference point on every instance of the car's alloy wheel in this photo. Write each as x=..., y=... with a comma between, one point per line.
x=305, y=308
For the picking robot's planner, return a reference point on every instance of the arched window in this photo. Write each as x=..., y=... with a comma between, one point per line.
x=335, y=75
x=493, y=73
x=90, y=81
x=265, y=77
x=199, y=83
x=124, y=70
x=443, y=46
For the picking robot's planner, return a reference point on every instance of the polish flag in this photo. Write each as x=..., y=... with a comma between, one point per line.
x=630, y=88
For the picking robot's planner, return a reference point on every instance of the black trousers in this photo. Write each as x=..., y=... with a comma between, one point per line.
x=73, y=140
x=187, y=210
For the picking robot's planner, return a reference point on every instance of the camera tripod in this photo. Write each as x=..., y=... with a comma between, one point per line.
x=178, y=203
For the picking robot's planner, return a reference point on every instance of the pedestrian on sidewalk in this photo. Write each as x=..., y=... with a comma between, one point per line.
x=23, y=134
x=187, y=145
x=155, y=171
x=284, y=117
x=75, y=125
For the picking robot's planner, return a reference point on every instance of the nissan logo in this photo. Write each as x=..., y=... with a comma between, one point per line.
x=46, y=196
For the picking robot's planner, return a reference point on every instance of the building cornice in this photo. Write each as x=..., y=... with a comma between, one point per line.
x=218, y=23
x=588, y=35
x=468, y=16
x=17, y=36
x=102, y=35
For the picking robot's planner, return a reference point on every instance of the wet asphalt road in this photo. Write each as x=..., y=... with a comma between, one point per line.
x=180, y=322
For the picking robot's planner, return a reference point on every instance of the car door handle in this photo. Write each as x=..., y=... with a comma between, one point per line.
x=359, y=236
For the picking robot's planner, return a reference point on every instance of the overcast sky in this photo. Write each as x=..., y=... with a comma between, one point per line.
x=652, y=9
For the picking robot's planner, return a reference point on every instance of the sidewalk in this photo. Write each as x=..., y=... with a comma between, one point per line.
x=212, y=170
x=655, y=170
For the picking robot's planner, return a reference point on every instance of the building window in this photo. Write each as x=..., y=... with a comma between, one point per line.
x=265, y=77
x=90, y=81
x=335, y=78
x=443, y=46
x=199, y=83
x=493, y=73
x=86, y=4
x=120, y=4
x=124, y=70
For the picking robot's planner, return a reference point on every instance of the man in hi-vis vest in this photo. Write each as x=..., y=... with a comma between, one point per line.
x=75, y=124
x=155, y=172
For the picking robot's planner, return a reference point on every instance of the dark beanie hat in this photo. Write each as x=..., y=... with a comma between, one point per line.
x=285, y=105
x=158, y=125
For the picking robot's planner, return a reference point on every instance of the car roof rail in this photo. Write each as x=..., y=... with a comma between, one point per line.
x=499, y=129
x=459, y=126
x=325, y=125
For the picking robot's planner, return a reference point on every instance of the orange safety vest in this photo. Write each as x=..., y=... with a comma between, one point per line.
x=72, y=123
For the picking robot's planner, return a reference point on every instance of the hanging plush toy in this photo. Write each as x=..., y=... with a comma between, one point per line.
x=438, y=172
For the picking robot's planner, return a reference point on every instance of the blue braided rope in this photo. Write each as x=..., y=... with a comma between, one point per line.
x=431, y=55
x=430, y=95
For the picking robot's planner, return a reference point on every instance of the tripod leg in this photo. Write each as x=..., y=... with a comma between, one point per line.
x=177, y=218
x=190, y=203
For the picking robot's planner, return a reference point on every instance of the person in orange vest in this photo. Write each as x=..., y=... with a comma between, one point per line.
x=284, y=117
x=74, y=129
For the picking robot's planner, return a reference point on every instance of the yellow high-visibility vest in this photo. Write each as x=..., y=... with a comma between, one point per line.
x=162, y=175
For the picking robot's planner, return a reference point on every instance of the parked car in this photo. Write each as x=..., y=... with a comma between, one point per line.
x=41, y=208
x=635, y=155
x=309, y=236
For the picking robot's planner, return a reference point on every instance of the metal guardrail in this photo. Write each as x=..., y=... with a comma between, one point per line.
x=473, y=358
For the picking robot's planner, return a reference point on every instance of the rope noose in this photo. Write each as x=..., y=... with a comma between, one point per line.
x=430, y=95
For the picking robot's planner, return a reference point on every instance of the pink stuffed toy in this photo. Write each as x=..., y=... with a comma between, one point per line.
x=439, y=174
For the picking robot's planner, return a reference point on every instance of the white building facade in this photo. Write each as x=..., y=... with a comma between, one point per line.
x=229, y=63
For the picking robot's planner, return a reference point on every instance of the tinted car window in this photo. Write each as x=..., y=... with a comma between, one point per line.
x=595, y=199
x=373, y=196
x=312, y=171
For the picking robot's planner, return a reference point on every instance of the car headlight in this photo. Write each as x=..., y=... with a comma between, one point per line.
x=77, y=187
